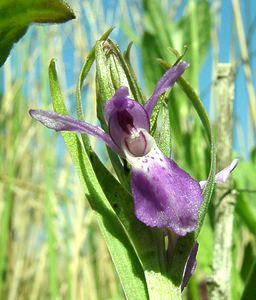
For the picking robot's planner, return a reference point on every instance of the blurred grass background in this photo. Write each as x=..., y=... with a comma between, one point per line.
x=50, y=246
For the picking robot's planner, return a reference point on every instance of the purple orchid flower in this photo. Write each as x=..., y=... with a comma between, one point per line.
x=165, y=196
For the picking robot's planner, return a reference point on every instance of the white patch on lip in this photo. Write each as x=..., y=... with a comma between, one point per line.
x=151, y=155
x=138, y=144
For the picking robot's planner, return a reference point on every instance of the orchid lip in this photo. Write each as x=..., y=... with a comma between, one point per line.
x=165, y=195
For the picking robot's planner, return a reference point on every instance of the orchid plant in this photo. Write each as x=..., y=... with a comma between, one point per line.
x=166, y=199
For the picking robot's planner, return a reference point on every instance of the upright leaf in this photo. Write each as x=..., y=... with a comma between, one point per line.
x=249, y=290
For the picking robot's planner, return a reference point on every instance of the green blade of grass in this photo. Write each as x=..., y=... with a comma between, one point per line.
x=249, y=290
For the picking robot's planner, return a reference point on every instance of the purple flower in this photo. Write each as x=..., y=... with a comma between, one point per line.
x=164, y=195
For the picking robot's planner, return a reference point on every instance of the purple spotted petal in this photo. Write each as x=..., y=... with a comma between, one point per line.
x=164, y=195
x=64, y=123
x=223, y=175
x=190, y=266
x=165, y=82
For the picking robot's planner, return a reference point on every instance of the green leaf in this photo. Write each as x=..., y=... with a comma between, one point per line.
x=150, y=51
x=158, y=36
x=249, y=290
x=245, y=186
x=158, y=25
x=248, y=257
x=160, y=124
x=200, y=32
x=163, y=133
x=104, y=86
x=123, y=255
x=116, y=71
x=246, y=212
x=16, y=16
x=135, y=88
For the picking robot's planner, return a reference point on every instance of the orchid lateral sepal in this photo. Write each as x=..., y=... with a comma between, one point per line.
x=59, y=122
